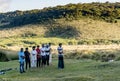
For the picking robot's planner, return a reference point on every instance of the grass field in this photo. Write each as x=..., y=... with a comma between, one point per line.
x=75, y=70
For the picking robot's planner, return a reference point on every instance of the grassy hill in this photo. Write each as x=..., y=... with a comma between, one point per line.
x=83, y=31
x=87, y=23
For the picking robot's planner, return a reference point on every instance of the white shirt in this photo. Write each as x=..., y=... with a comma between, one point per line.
x=34, y=55
x=47, y=49
x=43, y=52
x=60, y=50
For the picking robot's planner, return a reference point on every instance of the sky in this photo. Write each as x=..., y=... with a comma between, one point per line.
x=12, y=5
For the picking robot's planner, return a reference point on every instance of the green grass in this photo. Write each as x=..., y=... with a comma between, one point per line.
x=75, y=70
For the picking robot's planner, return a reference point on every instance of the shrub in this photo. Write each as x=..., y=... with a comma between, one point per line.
x=96, y=56
x=3, y=57
x=85, y=56
x=111, y=57
x=104, y=58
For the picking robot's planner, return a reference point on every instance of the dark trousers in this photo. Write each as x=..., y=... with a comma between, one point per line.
x=43, y=60
x=38, y=62
x=28, y=63
x=22, y=67
x=47, y=59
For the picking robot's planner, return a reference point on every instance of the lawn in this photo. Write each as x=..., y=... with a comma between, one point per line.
x=75, y=70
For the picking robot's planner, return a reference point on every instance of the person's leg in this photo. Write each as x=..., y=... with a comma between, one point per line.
x=26, y=64
x=20, y=67
x=40, y=62
x=29, y=64
x=23, y=67
x=58, y=64
x=47, y=60
x=37, y=62
x=44, y=60
x=62, y=64
x=50, y=59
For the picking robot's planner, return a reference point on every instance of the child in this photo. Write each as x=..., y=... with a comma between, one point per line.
x=60, y=57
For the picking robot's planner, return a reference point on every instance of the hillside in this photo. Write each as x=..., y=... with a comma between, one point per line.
x=79, y=29
x=87, y=23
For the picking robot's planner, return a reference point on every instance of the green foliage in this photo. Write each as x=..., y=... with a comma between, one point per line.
x=101, y=11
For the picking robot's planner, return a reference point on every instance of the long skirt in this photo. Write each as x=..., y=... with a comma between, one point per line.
x=60, y=64
x=33, y=61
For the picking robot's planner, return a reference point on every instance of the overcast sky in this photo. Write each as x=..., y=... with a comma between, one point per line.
x=12, y=5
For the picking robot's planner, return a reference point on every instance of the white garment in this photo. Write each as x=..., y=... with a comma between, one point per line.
x=33, y=58
x=43, y=51
x=60, y=50
x=47, y=49
x=50, y=59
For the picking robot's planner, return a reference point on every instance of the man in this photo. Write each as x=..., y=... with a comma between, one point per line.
x=47, y=52
x=43, y=55
x=21, y=60
x=27, y=58
x=38, y=56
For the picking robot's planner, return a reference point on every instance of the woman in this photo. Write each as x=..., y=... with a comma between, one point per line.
x=33, y=57
x=60, y=57
x=50, y=54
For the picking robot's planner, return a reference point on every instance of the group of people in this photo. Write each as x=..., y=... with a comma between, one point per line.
x=39, y=57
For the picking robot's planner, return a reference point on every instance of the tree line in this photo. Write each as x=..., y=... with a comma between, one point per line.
x=109, y=12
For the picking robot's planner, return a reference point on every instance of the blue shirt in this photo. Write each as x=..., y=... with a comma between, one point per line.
x=21, y=55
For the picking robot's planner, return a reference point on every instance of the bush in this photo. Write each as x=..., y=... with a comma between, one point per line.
x=3, y=57
x=104, y=58
x=96, y=56
x=111, y=57
x=85, y=56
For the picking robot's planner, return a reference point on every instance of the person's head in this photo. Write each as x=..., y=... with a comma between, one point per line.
x=42, y=45
x=21, y=49
x=38, y=46
x=60, y=44
x=26, y=49
x=33, y=47
x=49, y=44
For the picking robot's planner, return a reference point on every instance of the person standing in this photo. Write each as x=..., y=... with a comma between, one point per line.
x=33, y=57
x=27, y=58
x=50, y=54
x=38, y=56
x=60, y=57
x=47, y=52
x=21, y=60
x=43, y=55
